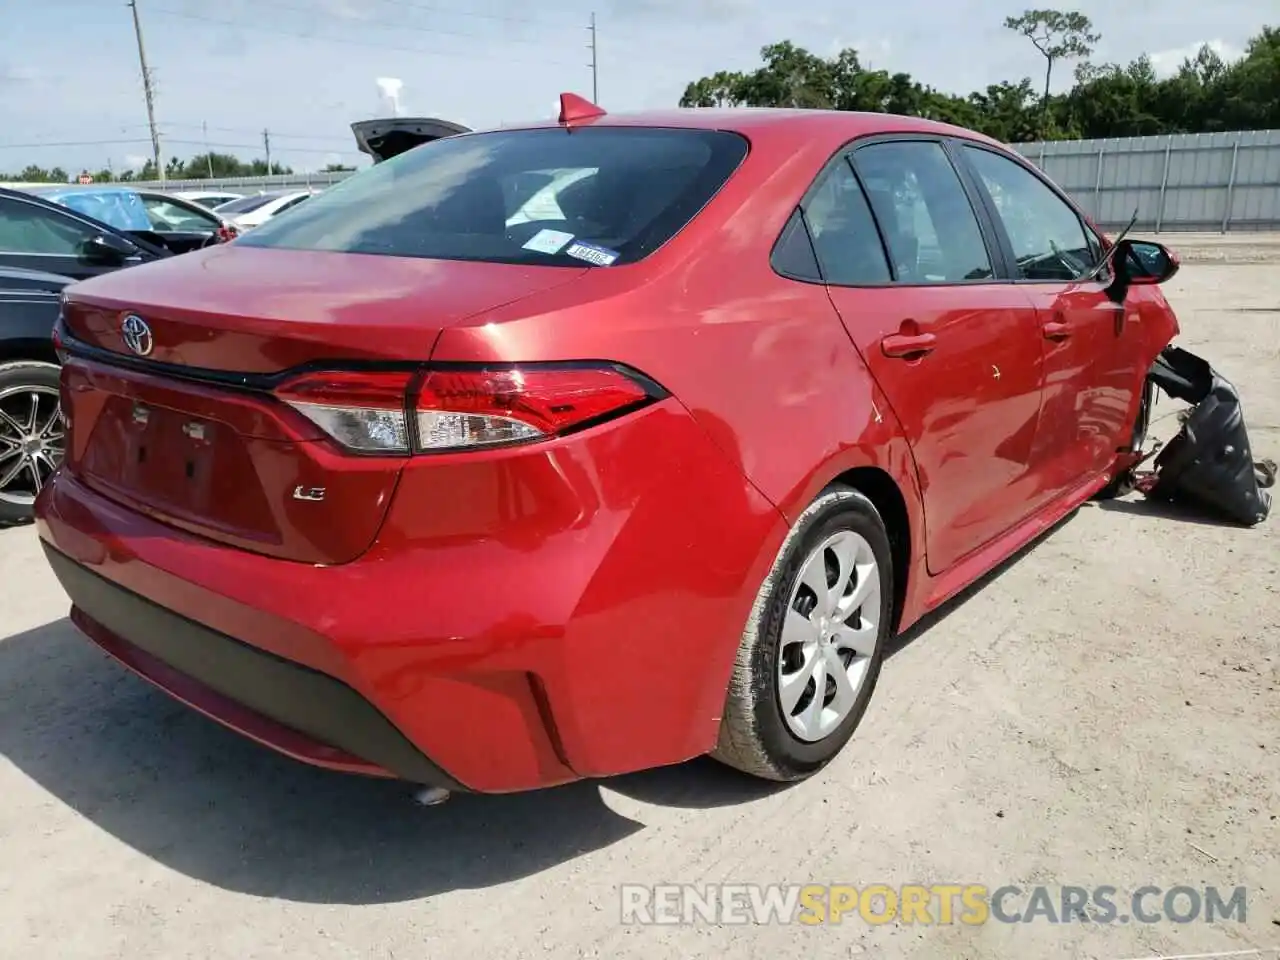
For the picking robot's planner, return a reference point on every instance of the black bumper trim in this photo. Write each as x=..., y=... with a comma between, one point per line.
x=310, y=702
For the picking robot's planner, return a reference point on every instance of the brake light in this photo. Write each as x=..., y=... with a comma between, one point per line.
x=461, y=408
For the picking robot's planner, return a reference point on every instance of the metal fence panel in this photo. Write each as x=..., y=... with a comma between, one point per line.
x=1198, y=181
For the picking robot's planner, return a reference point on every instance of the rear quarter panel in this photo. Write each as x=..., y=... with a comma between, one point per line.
x=761, y=362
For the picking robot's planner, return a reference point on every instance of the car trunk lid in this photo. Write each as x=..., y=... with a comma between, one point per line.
x=248, y=310
x=189, y=429
x=385, y=138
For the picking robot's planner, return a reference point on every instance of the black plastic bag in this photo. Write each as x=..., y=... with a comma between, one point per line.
x=1210, y=462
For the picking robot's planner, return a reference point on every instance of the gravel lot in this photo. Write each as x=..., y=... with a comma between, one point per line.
x=1104, y=710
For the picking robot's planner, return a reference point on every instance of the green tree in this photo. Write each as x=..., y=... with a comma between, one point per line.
x=1058, y=35
x=722, y=89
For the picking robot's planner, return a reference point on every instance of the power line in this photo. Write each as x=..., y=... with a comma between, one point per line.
x=482, y=16
x=400, y=25
x=70, y=143
x=256, y=28
x=282, y=136
x=257, y=146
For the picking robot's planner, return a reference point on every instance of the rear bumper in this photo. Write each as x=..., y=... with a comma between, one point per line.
x=524, y=621
x=298, y=711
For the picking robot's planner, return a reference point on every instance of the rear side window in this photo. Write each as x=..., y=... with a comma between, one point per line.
x=844, y=233
x=554, y=197
x=1049, y=241
x=923, y=210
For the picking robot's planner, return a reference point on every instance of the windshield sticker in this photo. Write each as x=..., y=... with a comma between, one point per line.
x=600, y=256
x=548, y=241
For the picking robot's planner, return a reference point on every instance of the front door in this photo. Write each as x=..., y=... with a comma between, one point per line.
x=35, y=237
x=956, y=354
x=1093, y=371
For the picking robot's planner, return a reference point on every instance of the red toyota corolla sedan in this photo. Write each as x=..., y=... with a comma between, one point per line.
x=562, y=451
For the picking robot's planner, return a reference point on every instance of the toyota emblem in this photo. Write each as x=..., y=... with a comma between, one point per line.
x=137, y=335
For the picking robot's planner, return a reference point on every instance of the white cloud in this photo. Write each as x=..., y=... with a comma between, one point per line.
x=1166, y=62
x=14, y=73
x=134, y=161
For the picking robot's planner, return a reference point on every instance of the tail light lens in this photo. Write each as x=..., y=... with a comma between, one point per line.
x=362, y=411
x=458, y=409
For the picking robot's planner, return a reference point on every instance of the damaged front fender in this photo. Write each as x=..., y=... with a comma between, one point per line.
x=1209, y=463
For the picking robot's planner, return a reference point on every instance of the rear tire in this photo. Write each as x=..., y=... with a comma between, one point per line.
x=802, y=642
x=27, y=443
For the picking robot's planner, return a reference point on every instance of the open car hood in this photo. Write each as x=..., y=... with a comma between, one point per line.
x=384, y=139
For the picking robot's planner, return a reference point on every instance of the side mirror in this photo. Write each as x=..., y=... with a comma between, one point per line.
x=109, y=248
x=1145, y=262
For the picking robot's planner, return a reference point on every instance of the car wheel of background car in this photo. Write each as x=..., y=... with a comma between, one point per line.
x=1123, y=482
x=31, y=435
x=812, y=649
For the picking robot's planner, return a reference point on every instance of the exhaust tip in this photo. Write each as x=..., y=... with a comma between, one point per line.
x=431, y=796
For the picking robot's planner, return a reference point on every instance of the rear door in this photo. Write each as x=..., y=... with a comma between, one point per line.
x=1093, y=371
x=956, y=351
x=36, y=236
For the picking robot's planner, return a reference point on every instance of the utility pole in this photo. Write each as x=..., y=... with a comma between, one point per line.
x=595, y=61
x=266, y=145
x=149, y=92
x=204, y=128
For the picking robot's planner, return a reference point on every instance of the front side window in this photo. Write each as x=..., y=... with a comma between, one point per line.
x=550, y=197
x=923, y=210
x=1049, y=241
x=28, y=228
x=167, y=216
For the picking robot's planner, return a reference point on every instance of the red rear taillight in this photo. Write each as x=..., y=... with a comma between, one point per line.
x=461, y=408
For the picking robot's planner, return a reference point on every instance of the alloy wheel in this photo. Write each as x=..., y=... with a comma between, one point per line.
x=829, y=635
x=31, y=441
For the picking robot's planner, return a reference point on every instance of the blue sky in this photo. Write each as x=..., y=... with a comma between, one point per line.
x=305, y=69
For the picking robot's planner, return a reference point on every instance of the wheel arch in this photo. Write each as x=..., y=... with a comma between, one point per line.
x=882, y=490
x=38, y=351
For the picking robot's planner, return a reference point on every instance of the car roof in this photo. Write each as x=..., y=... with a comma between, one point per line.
x=836, y=126
x=84, y=190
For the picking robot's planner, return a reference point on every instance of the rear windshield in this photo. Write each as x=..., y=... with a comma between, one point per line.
x=248, y=204
x=594, y=196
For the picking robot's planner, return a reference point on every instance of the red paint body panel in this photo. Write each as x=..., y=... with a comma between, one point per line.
x=134, y=439
x=970, y=408
x=251, y=310
x=569, y=608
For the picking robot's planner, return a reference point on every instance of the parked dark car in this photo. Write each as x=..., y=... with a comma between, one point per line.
x=179, y=226
x=43, y=248
x=39, y=234
x=30, y=426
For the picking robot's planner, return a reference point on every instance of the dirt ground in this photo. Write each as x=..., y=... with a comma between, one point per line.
x=1105, y=710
